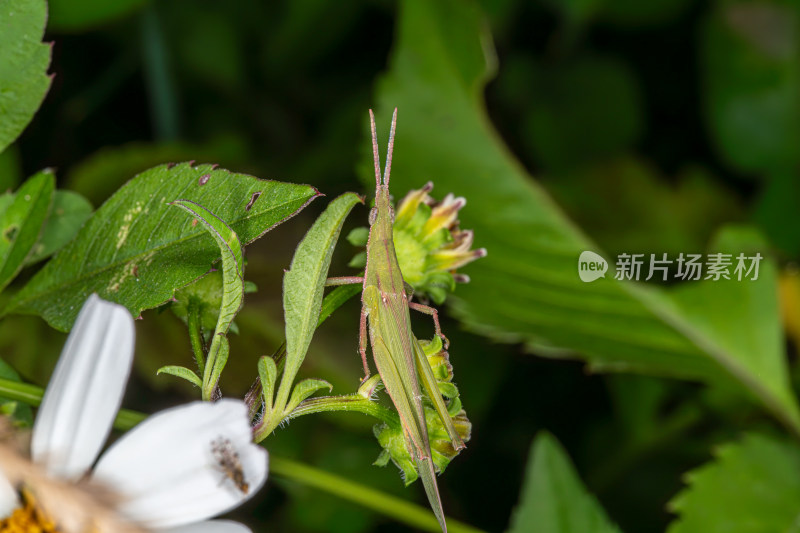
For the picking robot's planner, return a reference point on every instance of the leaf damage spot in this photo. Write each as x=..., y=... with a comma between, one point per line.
x=204, y=179
x=127, y=219
x=10, y=233
x=252, y=200
x=131, y=269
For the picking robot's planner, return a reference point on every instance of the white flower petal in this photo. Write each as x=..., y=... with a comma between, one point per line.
x=212, y=526
x=165, y=470
x=8, y=498
x=85, y=390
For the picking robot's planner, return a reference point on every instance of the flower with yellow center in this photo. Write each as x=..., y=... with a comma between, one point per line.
x=171, y=473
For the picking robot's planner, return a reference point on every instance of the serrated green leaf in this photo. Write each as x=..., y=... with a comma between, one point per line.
x=267, y=374
x=68, y=213
x=22, y=221
x=304, y=283
x=303, y=390
x=24, y=60
x=751, y=487
x=527, y=289
x=553, y=499
x=136, y=249
x=181, y=372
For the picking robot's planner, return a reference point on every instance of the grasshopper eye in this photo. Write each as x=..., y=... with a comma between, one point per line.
x=373, y=214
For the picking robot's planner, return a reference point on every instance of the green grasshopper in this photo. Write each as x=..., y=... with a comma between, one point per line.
x=398, y=356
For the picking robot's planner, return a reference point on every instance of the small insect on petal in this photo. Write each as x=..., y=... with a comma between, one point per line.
x=227, y=459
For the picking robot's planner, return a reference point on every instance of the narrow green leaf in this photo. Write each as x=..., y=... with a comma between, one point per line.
x=527, y=289
x=232, y=290
x=24, y=60
x=304, y=284
x=232, y=262
x=267, y=374
x=22, y=222
x=303, y=390
x=181, y=372
x=137, y=250
x=752, y=486
x=68, y=213
x=553, y=499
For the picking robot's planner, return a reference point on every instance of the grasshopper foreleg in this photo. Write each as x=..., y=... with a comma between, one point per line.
x=344, y=280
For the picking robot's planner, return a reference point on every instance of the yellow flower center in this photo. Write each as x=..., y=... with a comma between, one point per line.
x=30, y=518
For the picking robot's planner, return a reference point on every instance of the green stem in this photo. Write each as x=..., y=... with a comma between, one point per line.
x=354, y=403
x=193, y=312
x=401, y=510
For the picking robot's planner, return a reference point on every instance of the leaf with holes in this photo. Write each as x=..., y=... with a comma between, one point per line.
x=24, y=60
x=137, y=250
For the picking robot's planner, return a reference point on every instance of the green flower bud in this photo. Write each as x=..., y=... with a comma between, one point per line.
x=393, y=440
x=430, y=246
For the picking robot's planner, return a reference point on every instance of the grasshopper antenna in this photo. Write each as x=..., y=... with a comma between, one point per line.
x=375, y=154
x=390, y=149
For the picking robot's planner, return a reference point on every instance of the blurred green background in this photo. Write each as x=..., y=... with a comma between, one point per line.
x=651, y=124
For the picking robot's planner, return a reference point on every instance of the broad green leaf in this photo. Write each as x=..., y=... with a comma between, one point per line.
x=738, y=322
x=80, y=15
x=752, y=82
x=752, y=486
x=303, y=390
x=22, y=221
x=24, y=60
x=68, y=213
x=181, y=372
x=304, y=283
x=527, y=289
x=137, y=250
x=553, y=499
